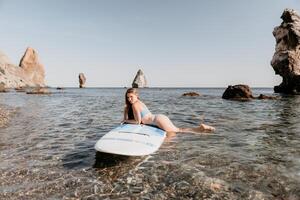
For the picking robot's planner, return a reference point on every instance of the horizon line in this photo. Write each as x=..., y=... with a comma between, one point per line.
x=156, y=87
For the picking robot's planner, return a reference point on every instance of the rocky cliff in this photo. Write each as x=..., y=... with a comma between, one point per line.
x=33, y=68
x=30, y=73
x=286, y=59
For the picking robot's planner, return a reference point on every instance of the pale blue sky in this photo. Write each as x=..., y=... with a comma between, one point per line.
x=188, y=43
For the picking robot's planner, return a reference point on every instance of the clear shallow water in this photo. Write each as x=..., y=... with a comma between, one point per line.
x=47, y=151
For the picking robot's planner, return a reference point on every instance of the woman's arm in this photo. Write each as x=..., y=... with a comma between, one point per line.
x=137, y=117
x=136, y=113
x=130, y=121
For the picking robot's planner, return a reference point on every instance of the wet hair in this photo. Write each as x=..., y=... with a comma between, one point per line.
x=128, y=104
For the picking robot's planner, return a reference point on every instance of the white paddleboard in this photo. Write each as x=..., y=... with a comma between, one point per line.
x=131, y=140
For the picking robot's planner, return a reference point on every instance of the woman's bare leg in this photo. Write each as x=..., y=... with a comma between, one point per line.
x=200, y=129
x=166, y=124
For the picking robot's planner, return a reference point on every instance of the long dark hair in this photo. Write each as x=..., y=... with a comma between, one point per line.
x=128, y=104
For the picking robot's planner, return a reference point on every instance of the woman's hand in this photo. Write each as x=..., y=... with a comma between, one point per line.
x=130, y=121
x=124, y=121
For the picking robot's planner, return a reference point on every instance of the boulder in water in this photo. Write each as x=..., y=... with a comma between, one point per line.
x=243, y=93
x=238, y=92
x=191, y=94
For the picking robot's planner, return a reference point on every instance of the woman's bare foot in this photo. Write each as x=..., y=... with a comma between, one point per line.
x=206, y=128
x=170, y=136
x=200, y=129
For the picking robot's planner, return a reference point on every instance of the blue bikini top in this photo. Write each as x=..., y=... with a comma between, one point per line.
x=144, y=112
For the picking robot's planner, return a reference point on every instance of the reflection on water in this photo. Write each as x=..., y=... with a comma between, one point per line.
x=47, y=151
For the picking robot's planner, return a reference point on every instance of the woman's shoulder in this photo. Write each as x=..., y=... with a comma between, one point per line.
x=137, y=104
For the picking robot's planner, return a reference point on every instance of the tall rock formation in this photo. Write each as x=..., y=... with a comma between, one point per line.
x=139, y=80
x=33, y=68
x=286, y=59
x=82, y=80
x=30, y=74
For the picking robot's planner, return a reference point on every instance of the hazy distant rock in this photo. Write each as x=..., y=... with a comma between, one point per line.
x=139, y=80
x=4, y=59
x=82, y=80
x=30, y=74
x=238, y=92
x=191, y=94
x=286, y=59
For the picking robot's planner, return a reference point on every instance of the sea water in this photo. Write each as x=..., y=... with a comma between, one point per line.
x=47, y=149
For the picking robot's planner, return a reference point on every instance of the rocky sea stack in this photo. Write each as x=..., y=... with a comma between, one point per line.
x=286, y=59
x=30, y=72
x=139, y=80
x=82, y=80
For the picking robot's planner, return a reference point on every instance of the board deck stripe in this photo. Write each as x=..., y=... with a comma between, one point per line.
x=129, y=140
x=133, y=133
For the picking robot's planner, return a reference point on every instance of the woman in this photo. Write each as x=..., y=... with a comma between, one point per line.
x=136, y=112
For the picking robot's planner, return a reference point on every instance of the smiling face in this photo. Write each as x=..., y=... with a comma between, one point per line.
x=132, y=98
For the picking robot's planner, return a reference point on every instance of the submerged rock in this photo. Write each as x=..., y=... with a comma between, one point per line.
x=139, y=80
x=4, y=117
x=82, y=80
x=20, y=89
x=286, y=59
x=238, y=92
x=191, y=94
x=262, y=96
x=39, y=91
